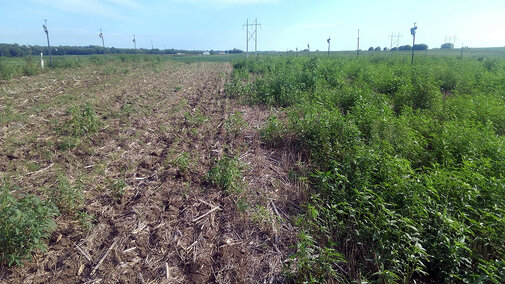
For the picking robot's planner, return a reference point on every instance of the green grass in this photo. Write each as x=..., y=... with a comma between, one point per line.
x=407, y=167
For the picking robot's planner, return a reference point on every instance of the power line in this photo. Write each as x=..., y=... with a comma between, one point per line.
x=249, y=36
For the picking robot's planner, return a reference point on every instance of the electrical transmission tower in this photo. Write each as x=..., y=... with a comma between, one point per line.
x=249, y=36
x=391, y=37
x=134, y=43
x=398, y=41
x=48, y=45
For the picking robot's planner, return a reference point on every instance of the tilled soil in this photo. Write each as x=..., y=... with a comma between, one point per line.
x=163, y=128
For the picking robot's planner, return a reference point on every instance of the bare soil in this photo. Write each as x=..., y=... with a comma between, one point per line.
x=169, y=225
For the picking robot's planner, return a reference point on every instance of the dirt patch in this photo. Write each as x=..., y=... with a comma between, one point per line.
x=162, y=130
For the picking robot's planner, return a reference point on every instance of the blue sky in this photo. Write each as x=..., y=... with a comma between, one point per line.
x=217, y=24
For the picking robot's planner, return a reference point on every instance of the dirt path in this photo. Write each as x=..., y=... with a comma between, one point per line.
x=163, y=128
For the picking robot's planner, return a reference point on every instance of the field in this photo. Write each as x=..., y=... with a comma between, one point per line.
x=196, y=169
x=146, y=163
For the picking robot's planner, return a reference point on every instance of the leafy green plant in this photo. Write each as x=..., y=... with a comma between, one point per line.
x=226, y=174
x=83, y=121
x=182, y=162
x=195, y=119
x=25, y=221
x=85, y=220
x=69, y=199
x=407, y=167
x=235, y=124
x=118, y=189
x=273, y=131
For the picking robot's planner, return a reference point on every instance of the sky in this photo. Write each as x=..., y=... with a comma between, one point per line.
x=285, y=25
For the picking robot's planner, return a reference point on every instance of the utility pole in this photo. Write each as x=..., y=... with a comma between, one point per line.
x=328, y=40
x=48, y=45
x=357, y=49
x=134, y=44
x=413, y=33
x=249, y=36
x=103, y=43
x=308, y=47
x=152, y=46
x=256, y=37
x=398, y=41
x=461, y=56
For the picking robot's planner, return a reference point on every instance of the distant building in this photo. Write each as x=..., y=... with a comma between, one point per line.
x=206, y=53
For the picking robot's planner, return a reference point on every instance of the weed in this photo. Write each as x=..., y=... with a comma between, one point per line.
x=226, y=175
x=195, y=119
x=273, y=131
x=25, y=221
x=85, y=220
x=182, y=162
x=235, y=124
x=118, y=189
x=69, y=199
x=406, y=164
x=84, y=121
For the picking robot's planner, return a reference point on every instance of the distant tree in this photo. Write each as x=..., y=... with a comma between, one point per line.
x=370, y=48
x=405, y=47
x=447, y=45
x=385, y=49
x=378, y=48
x=420, y=46
x=235, y=51
x=394, y=49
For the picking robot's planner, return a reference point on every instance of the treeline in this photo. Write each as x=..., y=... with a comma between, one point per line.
x=16, y=50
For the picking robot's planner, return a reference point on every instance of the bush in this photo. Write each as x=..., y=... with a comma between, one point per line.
x=25, y=221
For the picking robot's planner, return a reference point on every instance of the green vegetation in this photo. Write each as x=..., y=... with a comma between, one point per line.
x=226, y=174
x=407, y=163
x=25, y=221
x=69, y=199
x=235, y=124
